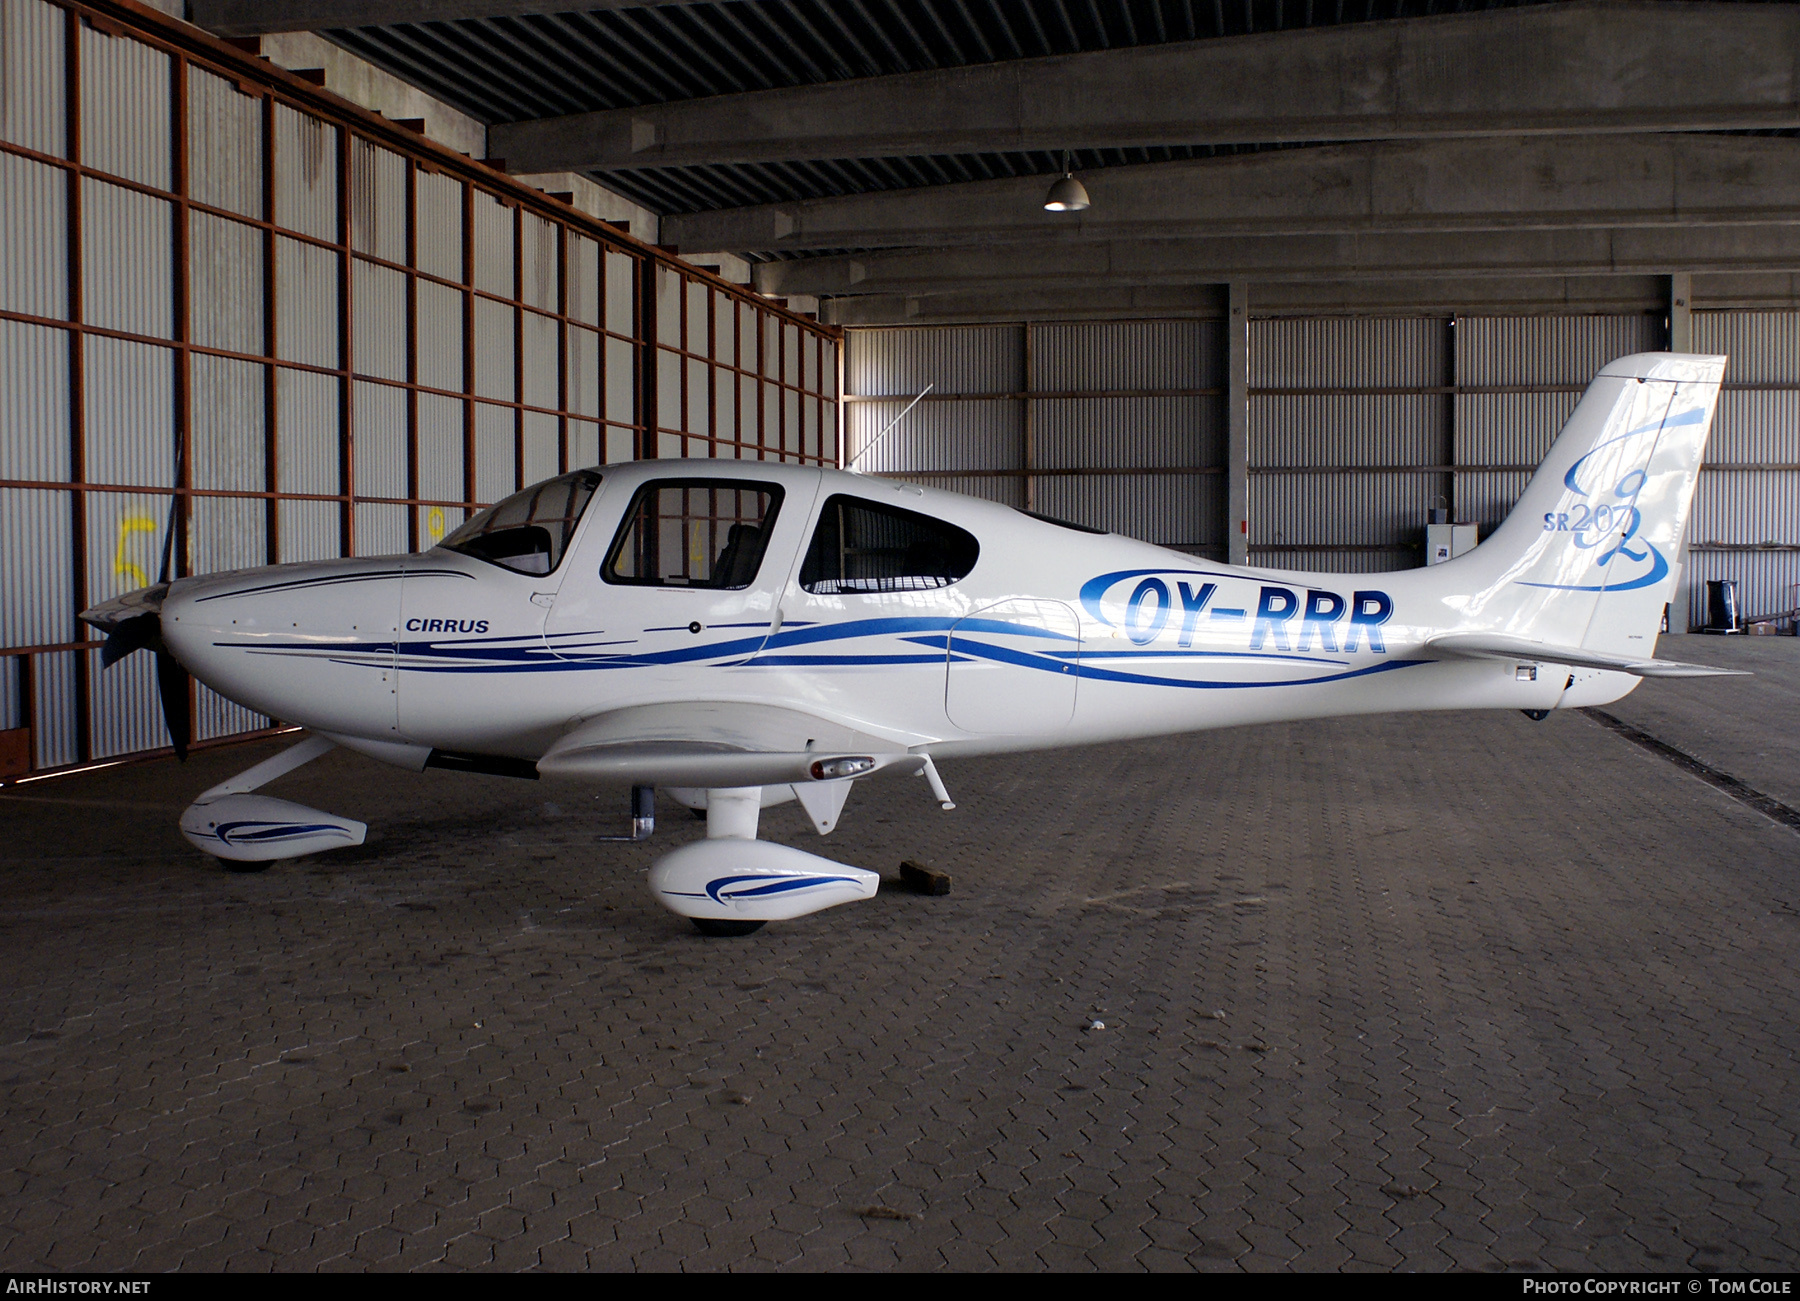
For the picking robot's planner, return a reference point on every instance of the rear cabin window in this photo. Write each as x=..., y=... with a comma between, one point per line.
x=862, y=547
x=694, y=533
x=528, y=531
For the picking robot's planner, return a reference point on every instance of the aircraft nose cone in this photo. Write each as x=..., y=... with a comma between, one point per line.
x=311, y=643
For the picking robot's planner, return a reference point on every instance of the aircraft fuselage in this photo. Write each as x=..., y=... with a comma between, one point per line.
x=1056, y=636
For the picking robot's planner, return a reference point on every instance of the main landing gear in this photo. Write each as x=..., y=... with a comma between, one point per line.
x=731, y=883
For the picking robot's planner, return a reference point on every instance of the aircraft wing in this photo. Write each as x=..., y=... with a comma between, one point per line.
x=1498, y=646
x=718, y=743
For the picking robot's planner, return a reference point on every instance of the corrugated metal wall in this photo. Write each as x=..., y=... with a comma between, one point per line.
x=1747, y=514
x=1357, y=427
x=288, y=332
x=1348, y=424
x=1115, y=425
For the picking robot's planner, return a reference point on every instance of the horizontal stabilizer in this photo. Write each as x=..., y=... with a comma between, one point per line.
x=1498, y=646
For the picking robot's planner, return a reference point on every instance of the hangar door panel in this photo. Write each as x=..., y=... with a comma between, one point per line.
x=1013, y=668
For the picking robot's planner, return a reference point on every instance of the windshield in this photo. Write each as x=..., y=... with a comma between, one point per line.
x=528, y=531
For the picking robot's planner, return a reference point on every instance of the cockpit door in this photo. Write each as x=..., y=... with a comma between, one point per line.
x=690, y=576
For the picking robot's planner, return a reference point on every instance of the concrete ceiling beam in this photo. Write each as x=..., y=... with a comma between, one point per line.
x=1579, y=67
x=1273, y=258
x=1413, y=185
x=1496, y=294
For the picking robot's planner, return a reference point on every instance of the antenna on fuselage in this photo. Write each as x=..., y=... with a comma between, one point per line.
x=875, y=441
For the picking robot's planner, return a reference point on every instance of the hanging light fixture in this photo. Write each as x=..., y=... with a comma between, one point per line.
x=1067, y=194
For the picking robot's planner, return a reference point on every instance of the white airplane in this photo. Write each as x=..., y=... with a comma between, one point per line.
x=744, y=633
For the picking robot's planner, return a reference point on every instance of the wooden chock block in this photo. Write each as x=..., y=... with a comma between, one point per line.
x=921, y=878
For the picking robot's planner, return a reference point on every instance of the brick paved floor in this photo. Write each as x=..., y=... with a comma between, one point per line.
x=1392, y=993
x=1750, y=727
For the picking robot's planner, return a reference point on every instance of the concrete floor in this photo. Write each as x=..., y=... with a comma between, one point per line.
x=1412, y=992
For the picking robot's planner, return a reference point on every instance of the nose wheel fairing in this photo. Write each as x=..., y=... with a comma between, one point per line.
x=231, y=822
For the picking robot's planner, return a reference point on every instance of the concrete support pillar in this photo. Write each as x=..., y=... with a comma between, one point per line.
x=1681, y=313
x=1681, y=339
x=1237, y=424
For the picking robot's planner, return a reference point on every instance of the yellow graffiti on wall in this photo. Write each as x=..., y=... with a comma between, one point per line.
x=434, y=524
x=123, y=566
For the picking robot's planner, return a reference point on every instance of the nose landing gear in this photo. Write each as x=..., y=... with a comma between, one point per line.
x=247, y=832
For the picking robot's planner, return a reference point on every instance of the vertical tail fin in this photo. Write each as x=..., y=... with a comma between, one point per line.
x=1588, y=556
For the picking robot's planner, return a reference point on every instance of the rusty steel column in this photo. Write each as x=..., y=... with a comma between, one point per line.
x=1237, y=425
x=645, y=294
x=77, y=375
x=346, y=352
x=415, y=537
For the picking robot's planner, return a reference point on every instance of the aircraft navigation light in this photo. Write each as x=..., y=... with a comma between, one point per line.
x=825, y=770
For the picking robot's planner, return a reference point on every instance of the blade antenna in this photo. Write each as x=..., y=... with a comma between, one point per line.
x=873, y=443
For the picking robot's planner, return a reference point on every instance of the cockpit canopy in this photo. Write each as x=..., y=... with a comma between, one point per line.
x=528, y=531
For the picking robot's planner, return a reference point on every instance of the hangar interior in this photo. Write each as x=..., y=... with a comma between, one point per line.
x=293, y=279
x=320, y=287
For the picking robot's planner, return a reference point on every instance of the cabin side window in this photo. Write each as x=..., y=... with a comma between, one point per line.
x=694, y=533
x=528, y=531
x=863, y=547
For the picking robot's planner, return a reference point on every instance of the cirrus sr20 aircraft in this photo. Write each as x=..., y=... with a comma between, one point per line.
x=745, y=633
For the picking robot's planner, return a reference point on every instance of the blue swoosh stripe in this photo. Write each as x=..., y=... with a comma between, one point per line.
x=233, y=833
x=1685, y=418
x=1144, y=679
x=895, y=626
x=1085, y=655
x=1658, y=572
x=778, y=885
x=522, y=654
x=948, y=635
x=786, y=661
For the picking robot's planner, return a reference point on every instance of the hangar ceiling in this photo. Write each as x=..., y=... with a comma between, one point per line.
x=890, y=156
